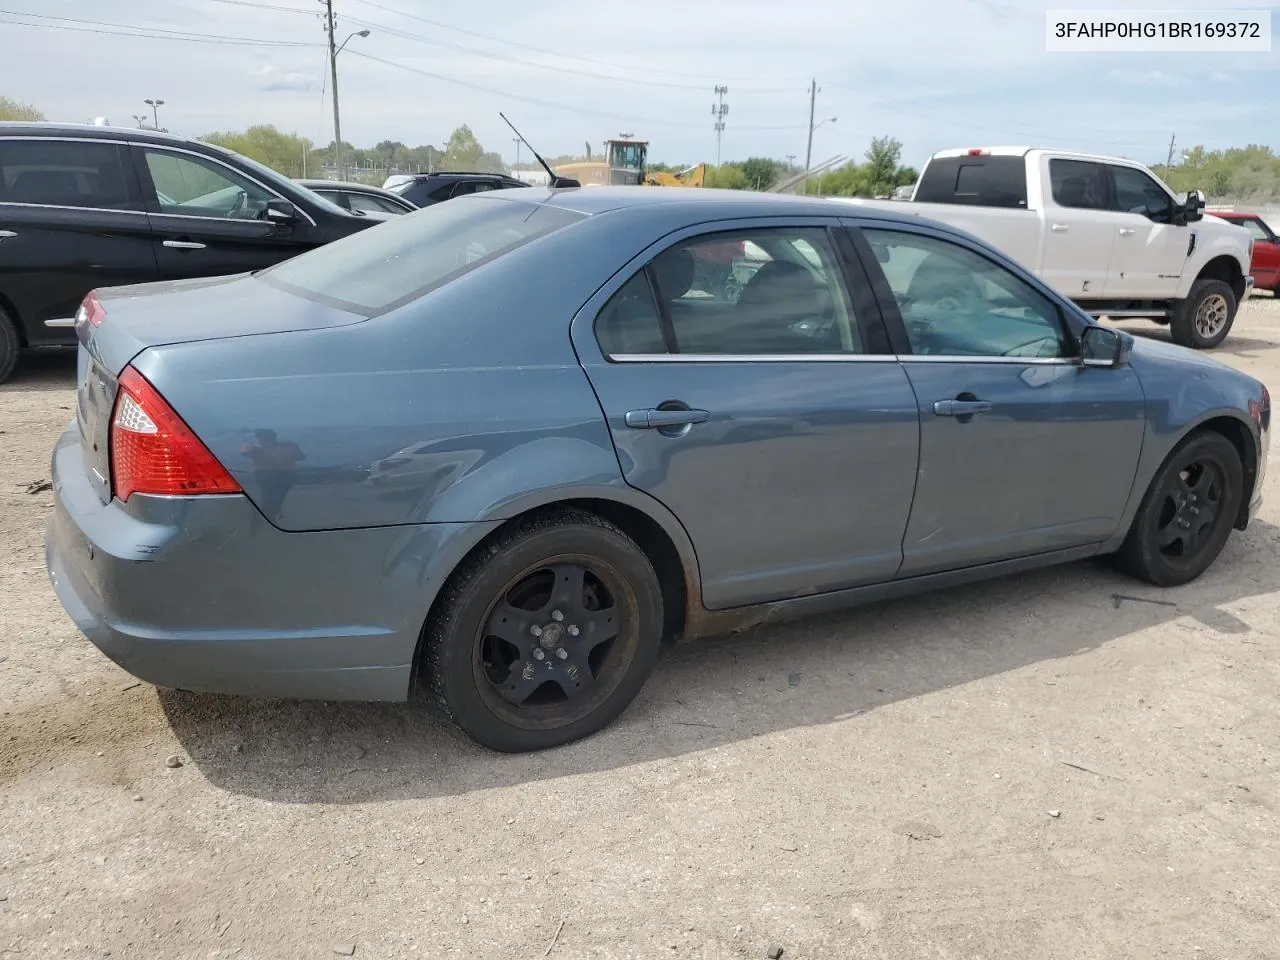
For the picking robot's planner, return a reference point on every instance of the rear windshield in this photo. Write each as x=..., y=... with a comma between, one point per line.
x=386, y=266
x=976, y=181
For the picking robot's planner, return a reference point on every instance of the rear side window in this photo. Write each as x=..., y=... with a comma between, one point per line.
x=975, y=181
x=382, y=268
x=66, y=173
x=1079, y=184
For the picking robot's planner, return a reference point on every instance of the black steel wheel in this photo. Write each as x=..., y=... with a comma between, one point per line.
x=547, y=634
x=1187, y=514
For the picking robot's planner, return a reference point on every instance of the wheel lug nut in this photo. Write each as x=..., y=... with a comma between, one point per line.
x=538, y=654
x=536, y=630
x=573, y=630
x=557, y=615
x=562, y=653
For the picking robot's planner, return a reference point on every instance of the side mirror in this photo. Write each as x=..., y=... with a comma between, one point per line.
x=280, y=211
x=1105, y=347
x=1193, y=206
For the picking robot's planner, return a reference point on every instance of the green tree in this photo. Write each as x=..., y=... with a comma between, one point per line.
x=761, y=173
x=17, y=110
x=463, y=151
x=727, y=176
x=280, y=151
x=882, y=164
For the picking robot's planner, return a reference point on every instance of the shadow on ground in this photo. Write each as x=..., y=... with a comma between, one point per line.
x=43, y=368
x=714, y=693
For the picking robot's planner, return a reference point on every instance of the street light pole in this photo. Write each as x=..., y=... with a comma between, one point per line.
x=155, y=105
x=330, y=25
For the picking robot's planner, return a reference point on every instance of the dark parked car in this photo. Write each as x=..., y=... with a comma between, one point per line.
x=360, y=197
x=586, y=450
x=424, y=189
x=87, y=206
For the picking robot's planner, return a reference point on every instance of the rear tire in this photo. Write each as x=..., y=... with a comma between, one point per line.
x=1187, y=513
x=1203, y=320
x=546, y=634
x=10, y=346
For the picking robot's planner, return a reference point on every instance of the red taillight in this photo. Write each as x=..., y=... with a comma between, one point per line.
x=975, y=152
x=153, y=451
x=91, y=310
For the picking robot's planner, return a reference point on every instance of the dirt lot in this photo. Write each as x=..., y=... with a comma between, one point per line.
x=1045, y=766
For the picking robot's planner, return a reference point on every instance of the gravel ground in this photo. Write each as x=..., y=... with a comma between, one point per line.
x=1063, y=764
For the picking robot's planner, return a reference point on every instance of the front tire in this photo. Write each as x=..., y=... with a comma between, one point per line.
x=1203, y=320
x=546, y=634
x=1187, y=514
x=10, y=346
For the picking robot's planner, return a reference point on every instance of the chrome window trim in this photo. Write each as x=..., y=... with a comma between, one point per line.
x=239, y=173
x=834, y=358
x=64, y=206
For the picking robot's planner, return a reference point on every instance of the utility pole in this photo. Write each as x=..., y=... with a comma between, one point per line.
x=517, y=143
x=791, y=162
x=718, y=110
x=808, y=153
x=1168, y=164
x=329, y=26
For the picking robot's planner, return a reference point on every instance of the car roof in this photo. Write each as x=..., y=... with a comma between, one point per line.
x=453, y=173
x=738, y=203
x=92, y=131
x=339, y=185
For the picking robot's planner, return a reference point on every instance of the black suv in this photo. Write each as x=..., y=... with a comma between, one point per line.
x=424, y=189
x=87, y=206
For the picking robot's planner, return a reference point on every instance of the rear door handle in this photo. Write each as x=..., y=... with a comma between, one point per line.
x=183, y=245
x=653, y=418
x=1126, y=231
x=1059, y=228
x=961, y=408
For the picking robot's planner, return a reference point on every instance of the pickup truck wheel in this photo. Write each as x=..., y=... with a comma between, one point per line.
x=10, y=346
x=1204, y=319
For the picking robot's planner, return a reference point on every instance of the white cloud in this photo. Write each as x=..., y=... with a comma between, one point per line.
x=1219, y=77
x=271, y=77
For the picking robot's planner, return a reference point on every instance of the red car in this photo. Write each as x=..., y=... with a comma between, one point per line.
x=1266, y=248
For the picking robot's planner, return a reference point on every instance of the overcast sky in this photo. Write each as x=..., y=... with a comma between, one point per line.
x=933, y=73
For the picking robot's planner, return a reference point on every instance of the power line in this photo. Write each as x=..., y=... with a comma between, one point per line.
x=542, y=50
x=474, y=51
x=155, y=33
x=269, y=6
x=543, y=103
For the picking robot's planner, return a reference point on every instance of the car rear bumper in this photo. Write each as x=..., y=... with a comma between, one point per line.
x=203, y=594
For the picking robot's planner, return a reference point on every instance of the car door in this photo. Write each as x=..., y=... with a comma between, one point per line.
x=71, y=219
x=1150, y=249
x=1265, y=264
x=769, y=419
x=207, y=218
x=1079, y=231
x=1022, y=449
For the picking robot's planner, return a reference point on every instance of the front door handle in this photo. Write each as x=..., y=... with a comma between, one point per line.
x=1126, y=231
x=6, y=234
x=961, y=408
x=1058, y=228
x=654, y=418
x=183, y=245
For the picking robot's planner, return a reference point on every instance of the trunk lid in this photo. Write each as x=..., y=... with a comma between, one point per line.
x=178, y=311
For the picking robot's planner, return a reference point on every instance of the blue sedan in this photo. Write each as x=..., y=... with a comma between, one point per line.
x=495, y=451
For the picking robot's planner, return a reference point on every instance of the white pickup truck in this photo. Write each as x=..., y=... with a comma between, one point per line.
x=1102, y=230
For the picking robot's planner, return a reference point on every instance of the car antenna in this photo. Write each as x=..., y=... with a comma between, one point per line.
x=556, y=181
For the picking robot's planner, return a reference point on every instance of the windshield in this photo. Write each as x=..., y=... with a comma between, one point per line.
x=377, y=270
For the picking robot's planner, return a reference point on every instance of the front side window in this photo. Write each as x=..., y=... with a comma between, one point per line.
x=65, y=173
x=363, y=201
x=191, y=186
x=957, y=303
x=1138, y=193
x=377, y=270
x=768, y=292
x=1257, y=230
x=1079, y=184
